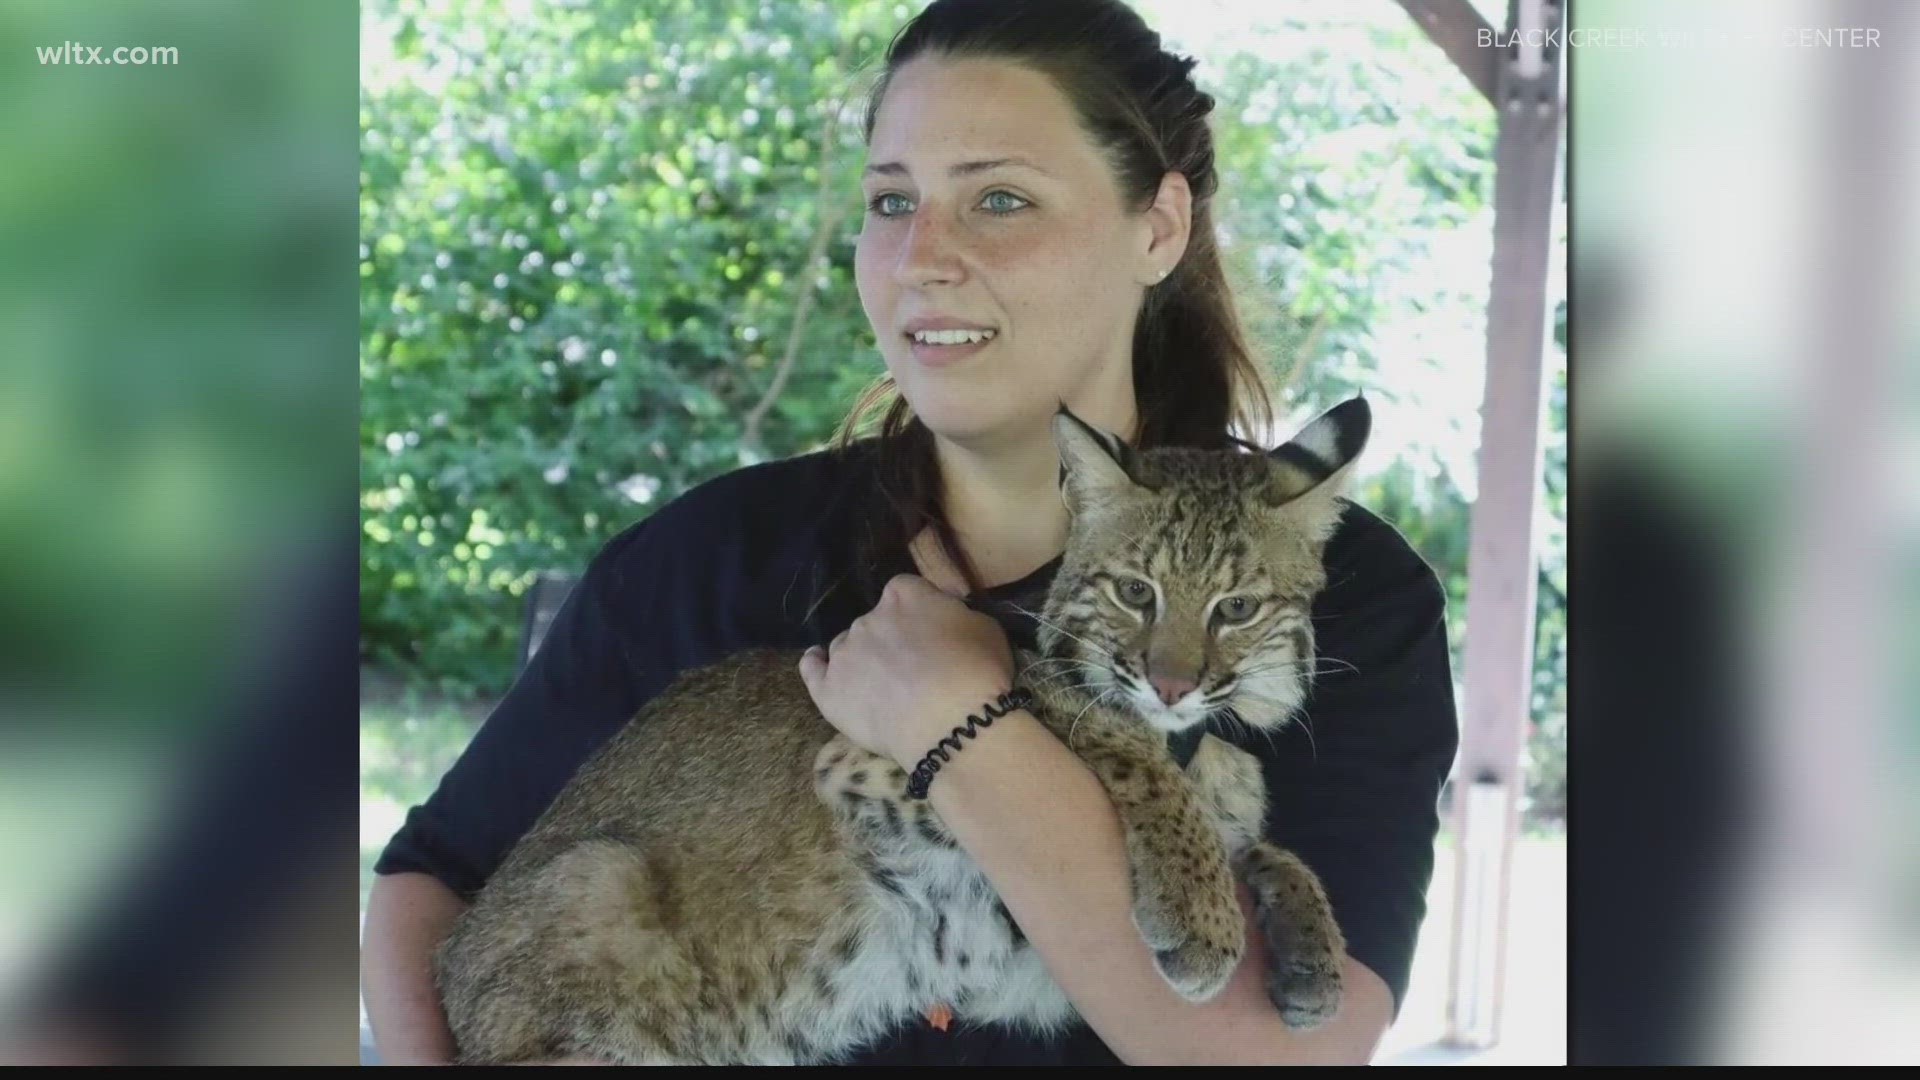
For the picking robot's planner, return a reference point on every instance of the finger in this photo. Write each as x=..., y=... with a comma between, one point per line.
x=912, y=589
x=901, y=586
x=813, y=663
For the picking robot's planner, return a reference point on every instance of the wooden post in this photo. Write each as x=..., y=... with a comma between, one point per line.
x=1457, y=28
x=1501, y=568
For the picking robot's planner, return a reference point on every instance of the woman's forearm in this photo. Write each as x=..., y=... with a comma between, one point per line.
x=407, y=917
x=1042, y=828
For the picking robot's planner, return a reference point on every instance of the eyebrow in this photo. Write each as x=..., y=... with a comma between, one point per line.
x=964, y=168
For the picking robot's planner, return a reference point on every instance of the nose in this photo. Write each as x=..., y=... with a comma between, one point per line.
x=927, y=257
x=1172, y=688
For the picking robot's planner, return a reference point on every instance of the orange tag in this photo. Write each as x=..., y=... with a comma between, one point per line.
x=940, y=1016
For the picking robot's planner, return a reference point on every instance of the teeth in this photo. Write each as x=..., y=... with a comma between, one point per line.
x=952, y=337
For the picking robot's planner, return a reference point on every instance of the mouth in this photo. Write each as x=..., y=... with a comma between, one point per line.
x=939, y=347
x=1181, y=715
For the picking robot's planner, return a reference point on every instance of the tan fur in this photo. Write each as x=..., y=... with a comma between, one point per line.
x=729, y=881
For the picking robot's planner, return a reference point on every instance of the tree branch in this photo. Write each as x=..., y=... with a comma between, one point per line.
x=830, y=217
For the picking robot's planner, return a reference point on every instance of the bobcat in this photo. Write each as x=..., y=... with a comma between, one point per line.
x=729, y=881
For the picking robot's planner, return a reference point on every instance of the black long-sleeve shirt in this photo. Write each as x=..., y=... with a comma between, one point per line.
x=776, y=555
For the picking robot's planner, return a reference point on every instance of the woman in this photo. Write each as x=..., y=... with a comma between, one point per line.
x=1040, y=181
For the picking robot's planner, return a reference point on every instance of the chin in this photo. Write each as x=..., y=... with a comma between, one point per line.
x=964, y=431
x=1182, y=717
x=961, y=420
x=965, y=418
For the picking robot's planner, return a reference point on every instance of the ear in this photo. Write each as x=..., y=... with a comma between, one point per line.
x=1318, y=460
x=1170, y=223
x=1096, y=468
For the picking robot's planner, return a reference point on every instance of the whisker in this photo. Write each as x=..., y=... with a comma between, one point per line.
x=1069, y=667
x=1306, y=725
x=1057, y=628
x=1294, y=665
x=1075, y=726
x=1319, y=658
x=1232, y=716
x=1057, y=660
x=1057, y=677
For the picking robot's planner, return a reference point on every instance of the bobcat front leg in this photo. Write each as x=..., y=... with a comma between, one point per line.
x=1184, y=902
x=1304, y=945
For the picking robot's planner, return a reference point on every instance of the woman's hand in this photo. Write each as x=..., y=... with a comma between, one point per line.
x=910, y=671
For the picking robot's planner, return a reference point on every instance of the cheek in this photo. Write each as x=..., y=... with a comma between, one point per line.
x=1061, y=290
x=878, y=298
x=868, y=279
x=1050, y=264
x=1231, y=655
x=1099, y=626
x=1131, y=632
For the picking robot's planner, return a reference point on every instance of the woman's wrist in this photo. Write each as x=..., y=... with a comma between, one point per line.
x=920, y=775
x=997, y=774
x=974, y=709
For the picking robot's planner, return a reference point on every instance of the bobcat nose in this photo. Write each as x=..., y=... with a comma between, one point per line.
x=1172, y=688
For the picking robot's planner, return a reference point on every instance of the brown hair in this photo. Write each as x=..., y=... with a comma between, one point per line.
x=1194, y=375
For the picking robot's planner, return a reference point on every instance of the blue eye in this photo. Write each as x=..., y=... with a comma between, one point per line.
x=1006, y=195
x=877, y=204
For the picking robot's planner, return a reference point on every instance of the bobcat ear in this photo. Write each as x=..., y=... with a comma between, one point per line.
x=1095, y=466
x=1321, y=455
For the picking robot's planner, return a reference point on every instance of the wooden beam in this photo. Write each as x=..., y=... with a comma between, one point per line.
x=1501, y=567
x=1461, y=33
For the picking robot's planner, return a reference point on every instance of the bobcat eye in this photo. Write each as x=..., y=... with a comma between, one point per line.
x=1136, y=592
x=1236, y=609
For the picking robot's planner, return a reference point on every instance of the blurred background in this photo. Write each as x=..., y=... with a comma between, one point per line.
x=186, y=817
x=1745, y=879
x=177, y=674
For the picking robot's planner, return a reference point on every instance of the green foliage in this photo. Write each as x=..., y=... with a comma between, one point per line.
x=593, y=232
x=586, y=237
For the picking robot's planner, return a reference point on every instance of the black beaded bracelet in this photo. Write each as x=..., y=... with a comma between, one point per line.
x=1017, y=698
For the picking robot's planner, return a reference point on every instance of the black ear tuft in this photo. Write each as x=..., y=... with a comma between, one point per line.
x=1322, y=450
x=1095, y=465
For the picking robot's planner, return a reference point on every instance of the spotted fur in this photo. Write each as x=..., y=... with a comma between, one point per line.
x=728, y=881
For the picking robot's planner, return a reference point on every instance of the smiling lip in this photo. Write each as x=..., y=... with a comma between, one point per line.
x=944, y=355
x=940, y=322
x=931, y=355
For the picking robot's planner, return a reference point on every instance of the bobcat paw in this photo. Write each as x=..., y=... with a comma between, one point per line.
x=1197, y=938
x=1196, y=970
x=1304, y=942
x=1307, y=994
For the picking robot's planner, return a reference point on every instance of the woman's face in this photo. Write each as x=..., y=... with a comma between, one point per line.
x=990, y=210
